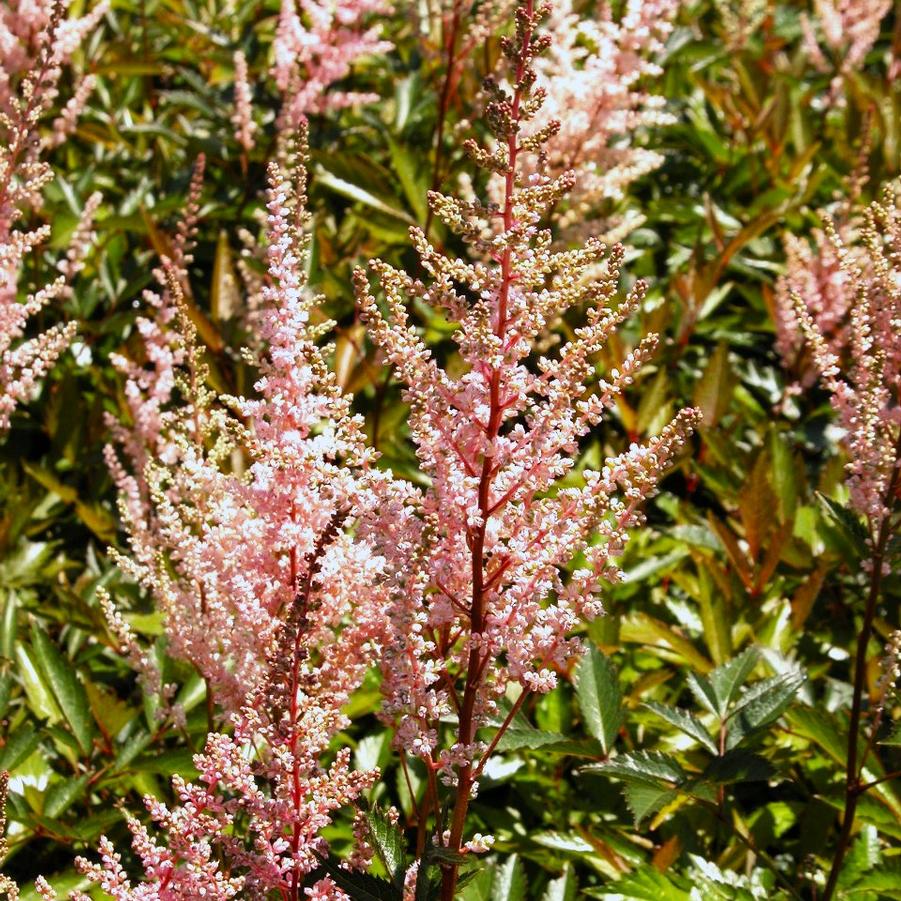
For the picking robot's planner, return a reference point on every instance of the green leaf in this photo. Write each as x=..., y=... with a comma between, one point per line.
x=863, y=856
x=360, y=886
x=884, y=882
x=737, y=766
x=847, y=524
x=762, y=703
x=822, y=728
x=684, y=722
x=509, y=881
x=726, y=680
x=713, y=391
x=703, y=691
x=645, y=799
x=564, y=888
x=20, y=745
x=40, y=698
x=387, y=840
x=600, y=699
x=66, y=687
x=61, y=795
x=361, y=195
x=645, y=884
x=520, y=737
x=640, y=766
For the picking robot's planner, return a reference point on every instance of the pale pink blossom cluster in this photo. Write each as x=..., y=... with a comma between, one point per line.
x=814, y=273
x=27, y=27
x=597, y=74
x=492, y=597
x=35, y=42
x=864, y=376
x=270, y=576
x=848, y=29
x=316, y=44
x=242, y=118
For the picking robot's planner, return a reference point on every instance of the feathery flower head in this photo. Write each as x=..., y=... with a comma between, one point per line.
x=491, y=600
x=863, y=372
x=35, y=41
x=316, y=44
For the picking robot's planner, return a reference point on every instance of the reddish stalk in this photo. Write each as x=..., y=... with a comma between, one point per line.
x=450, y=69
x=854, y=788
x=299, y=613
x=476, y=662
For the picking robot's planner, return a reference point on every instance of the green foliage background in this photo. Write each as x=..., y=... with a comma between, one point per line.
x=715, y=791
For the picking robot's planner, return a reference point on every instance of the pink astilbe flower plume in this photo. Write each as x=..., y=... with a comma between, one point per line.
x=848, y=29
x=35, y=42
x=271, y=580
x=316, y=44
x=491, y=601
x=596, y=75
x=863, y=372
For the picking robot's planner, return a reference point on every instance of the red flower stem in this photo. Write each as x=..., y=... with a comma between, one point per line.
x=450, y=68
x=477, y=660
x=853, y=786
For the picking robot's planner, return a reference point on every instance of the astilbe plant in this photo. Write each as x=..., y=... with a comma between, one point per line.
x=597, y=75
x=257, y=574
x=864, y=381
x=316, y=44
x=36, y=40
x=848, y=29
x=491, y=604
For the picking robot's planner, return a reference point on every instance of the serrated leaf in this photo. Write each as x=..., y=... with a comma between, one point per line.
x=67, y=690
x=726, y=680
x=684, y=722
x=387, y=840
x=641, y=766
x=884, y=882
x=509, y=881
x=645, y=884
x=863, y=855
x=518, y=738
x=761, y=704
x=703, y=691
x=360, y=886
x=645, y=799
x=600, y=699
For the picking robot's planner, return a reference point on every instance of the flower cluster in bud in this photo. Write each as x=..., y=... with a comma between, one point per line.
x=242, y=118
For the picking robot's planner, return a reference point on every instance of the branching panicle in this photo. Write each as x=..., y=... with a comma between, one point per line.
x=493, y=602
